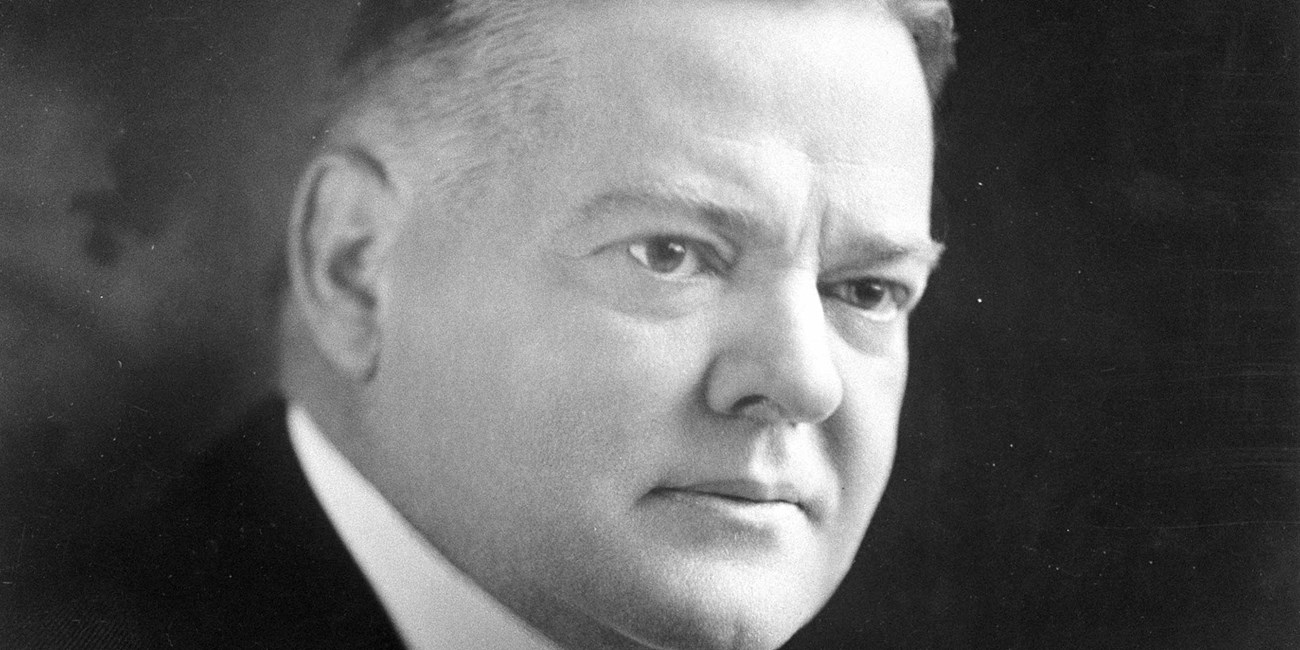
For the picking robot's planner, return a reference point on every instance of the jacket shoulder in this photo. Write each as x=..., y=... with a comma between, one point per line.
x=239, y=555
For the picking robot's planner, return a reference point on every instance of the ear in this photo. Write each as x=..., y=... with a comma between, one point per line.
x=344, y=217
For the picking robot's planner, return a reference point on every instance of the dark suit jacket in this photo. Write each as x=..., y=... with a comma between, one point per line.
x=240, y=556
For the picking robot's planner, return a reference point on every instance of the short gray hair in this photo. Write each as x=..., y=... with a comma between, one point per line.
x=386, y=32
x=468, y=75
x=475, y=74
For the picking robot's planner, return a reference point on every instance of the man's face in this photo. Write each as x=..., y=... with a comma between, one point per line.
x=646, y=389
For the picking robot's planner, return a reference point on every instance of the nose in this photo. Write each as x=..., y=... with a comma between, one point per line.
x=775, y=362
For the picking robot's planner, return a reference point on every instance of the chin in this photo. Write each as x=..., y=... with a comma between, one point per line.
x=711, y=610
x=713, y=630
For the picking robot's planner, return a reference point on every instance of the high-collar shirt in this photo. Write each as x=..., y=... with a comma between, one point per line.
x=431, y=603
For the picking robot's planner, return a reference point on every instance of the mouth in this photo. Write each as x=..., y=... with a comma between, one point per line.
x=735, y=493
x=731, y=514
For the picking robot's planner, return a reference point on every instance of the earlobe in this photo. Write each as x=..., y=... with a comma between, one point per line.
x=344, y=218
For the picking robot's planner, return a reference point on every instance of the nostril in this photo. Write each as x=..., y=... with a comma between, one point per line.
x=746, y=402
x=759, y=409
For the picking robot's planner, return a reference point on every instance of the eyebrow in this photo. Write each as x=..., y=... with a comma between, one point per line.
x=742, y=221
x=881, y=250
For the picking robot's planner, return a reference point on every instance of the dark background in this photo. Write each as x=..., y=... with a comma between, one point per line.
x=1101, y=444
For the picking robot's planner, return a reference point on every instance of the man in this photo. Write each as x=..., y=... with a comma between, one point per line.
x=147, y=157
x=607, y=304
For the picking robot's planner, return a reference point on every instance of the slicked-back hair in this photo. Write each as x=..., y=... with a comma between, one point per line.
x=378, y=24
x=465, y=76
x=931, y=25
x=471, y=78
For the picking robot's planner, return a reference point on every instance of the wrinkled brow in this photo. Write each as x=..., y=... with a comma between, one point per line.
x=880, y=250
x=742, y=221
x=738, y=220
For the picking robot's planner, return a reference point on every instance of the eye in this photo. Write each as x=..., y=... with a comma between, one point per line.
x=879, y=300
x=669, y=256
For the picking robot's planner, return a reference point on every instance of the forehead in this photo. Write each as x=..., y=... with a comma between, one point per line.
x=765, y=100
x=831, y=80
x=763, y=63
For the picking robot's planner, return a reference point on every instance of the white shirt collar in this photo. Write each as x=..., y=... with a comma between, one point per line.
x=432, y=604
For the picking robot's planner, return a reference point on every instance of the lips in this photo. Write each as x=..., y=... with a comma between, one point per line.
x=739, y=491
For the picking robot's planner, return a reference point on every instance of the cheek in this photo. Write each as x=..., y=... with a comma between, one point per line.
x=886, y=341
x=616, y=392
x=557, y=390
x=862, y=435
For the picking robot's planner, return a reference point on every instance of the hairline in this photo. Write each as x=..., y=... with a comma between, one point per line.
x=481, y=111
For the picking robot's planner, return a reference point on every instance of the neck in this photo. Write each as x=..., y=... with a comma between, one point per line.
x=333, y=400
